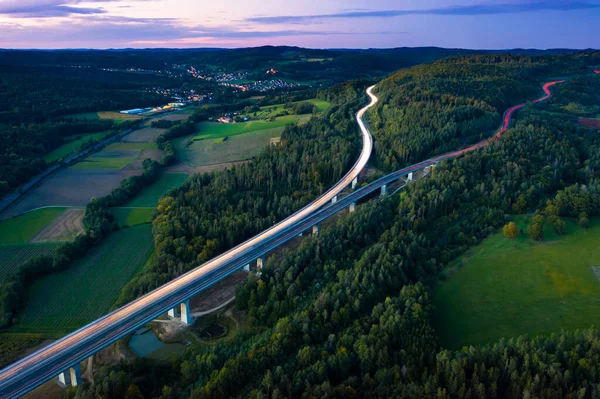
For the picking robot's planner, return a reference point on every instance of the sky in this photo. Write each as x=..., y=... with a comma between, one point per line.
x=475, y=24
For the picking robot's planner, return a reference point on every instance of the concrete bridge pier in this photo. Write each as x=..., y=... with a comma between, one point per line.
x=409, y=177
x=71, y=376
x=316, y=228
x=354, y=182
x=186, y=314
x=247, y=267
x=259, y=264
x=334, y=199
x=352, y=207
x=173, y=313
x=383, y=190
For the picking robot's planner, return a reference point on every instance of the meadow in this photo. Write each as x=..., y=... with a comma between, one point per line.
x=21, y=229
x=64, y=301
x=150, y=195
x=216, y=130
x=98, y=163
x=237, y=148
x=132, y=216
x=506, y=288
x=113, y=115
x=73, y=146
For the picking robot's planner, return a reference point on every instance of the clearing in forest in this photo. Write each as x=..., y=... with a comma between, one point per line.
x=506, y=288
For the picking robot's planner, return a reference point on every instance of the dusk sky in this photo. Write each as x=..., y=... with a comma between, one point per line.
x=481, y=24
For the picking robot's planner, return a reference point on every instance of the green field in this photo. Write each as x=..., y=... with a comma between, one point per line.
x=272, y=110
x=237, y=148
x=103, y=163
x=13, y=256
x=73, y=146
x=150, y=195
x=21, y=229
x=114, y=115
x=88, y=289
x=506, y=288
x=132, y=216
x=215, y=130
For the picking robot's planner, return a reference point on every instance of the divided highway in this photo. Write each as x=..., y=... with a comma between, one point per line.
x=45, y=364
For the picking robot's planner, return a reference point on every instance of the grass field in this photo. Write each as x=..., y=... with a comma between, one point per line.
x=103, y=163
x=73, y=146
x=215, y=130
x=132, y=216
x=237, y=148
x=21, y=229
x=506, y=288
x=150, y=195
x=114, y=115
x=272, y=110
x=13, y=256
x=88, y=289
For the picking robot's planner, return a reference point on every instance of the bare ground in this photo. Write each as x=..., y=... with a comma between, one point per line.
x=218, y=293
x=70, y=187
x=590, y=123
x=145, y=135
x=63, y=228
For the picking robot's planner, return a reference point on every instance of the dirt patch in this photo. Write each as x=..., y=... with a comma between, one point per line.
x=64, y=228
x=190, y=169
x=589, y=123
x=70, y=187
x=114, y=354
x=145, y=135
x=218, y=293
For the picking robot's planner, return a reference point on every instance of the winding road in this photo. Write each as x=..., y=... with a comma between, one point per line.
x=45, y=364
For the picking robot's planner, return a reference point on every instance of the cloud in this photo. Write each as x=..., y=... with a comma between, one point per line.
x=48, y=8
x=478, y=9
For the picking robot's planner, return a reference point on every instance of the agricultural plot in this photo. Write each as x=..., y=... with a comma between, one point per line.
x=236, y=148
x=13, y=256
x=150, y=195
x=70, y=187
x=21, y=229
x=506, y=288
x=63, y=228
x=215, y=130
x=73, y=146
x=67, y=300
x=113, y=115
x=127, y=146
x=145, y=135
x=273, y=110
x=97, y=163
x=132, y=216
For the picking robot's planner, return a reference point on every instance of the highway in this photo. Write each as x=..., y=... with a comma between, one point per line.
x=45, y=364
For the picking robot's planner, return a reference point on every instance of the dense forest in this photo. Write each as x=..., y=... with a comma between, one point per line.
x=348, y=312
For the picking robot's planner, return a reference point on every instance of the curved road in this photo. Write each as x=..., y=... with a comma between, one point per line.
x=43, y=365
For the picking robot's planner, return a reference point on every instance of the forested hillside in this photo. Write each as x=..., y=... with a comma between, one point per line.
x=347, y=313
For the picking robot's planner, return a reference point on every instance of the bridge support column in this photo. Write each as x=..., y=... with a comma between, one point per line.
x=384, y=189
x=259, y=265
x=410, y=176
x=316, y=229
x=186, y=314
x=173, y=313
x=354, y=182
x=64, y=378
x=247, y=267
x=75, y=375
x=300, y=235
x=334, y=199
x=352, y=207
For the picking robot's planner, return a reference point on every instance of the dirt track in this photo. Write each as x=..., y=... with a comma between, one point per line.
x=64, y=228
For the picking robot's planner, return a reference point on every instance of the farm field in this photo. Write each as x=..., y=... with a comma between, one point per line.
x=73, y=146
x=62, y=228
x=70, y=187
x=97, y=163
x=132, y=216
x=506, y=288
x=64, y=301
x=145, y=135
x=272, y=110
x=150, y=195
x=12, y=256
x=236, y=148
x=21, y=229
x=128, y=146
x=114, y=115
x=215, y=130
